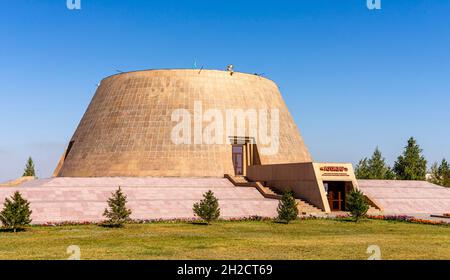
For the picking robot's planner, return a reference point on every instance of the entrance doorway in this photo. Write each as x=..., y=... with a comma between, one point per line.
x=238, y=159
x=336, y=195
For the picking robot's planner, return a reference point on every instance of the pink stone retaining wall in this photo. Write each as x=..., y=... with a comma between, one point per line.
x=84, y=199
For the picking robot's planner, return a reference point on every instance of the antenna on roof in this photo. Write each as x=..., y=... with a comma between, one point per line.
x=230, y=69
x=200, y=70
x=195, y=64
x=119, y=71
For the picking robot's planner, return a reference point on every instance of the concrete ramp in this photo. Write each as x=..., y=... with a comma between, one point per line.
x=84, y=199
x=407, y=197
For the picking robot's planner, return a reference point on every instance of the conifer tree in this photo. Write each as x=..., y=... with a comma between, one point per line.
x=374, y=168
x=287, y=208
x=411, y=165
x=378, y=166
x=208, y=208
x=29, y=168
x=444, y=170
x=440, y=174
x=16, y=212
x=117, y=213
x=435, y=176
x=356, y=204
x=362, y=169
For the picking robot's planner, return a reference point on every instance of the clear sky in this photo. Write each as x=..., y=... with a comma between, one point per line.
x=353, y=78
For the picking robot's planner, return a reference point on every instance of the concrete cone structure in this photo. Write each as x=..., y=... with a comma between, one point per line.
x=133, y=122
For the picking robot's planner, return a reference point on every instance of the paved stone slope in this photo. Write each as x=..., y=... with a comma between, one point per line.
x=84, y=199
x=408, y=197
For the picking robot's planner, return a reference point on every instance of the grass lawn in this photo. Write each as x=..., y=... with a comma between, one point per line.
x=307, y=239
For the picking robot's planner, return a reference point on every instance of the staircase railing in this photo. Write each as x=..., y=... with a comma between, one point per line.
x=373, y=203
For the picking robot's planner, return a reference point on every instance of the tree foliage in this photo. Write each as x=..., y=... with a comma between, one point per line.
x=362, y=169
x=374, y=168
x=29, y=168
x=208, y=208
x=117, y=212
x=16, y=212
x=440, y=174
x=356, y=204
x=287, y=207
x=411, y=165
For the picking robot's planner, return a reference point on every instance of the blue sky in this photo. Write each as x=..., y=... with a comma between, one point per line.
x=353, y=78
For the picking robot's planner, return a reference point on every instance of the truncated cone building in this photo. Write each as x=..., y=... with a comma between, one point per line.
x=201, y=123
x=134, y=122
x=168, y=136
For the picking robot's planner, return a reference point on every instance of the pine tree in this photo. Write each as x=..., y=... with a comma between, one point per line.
x=287, y=208
x=378, y=167
x=362, y=170
x=118, y=213
x=435, y=175
x=444, y=170
x=29, y=168
x=390, y=174
x=411, y=165
x=208, y=208
x=374, y=168
x=440, y=174
x=356, y=204
x=16, y=212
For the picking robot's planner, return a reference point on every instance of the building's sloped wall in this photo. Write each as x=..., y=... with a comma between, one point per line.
x=407, y=197
x=127, y=127
x=301, y=178
x=305, y=179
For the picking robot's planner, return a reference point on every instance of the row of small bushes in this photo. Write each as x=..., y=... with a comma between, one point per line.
x=160, y=221
x=395, y=218
x=207, y=209
x=404, y=218
x=16, y=213
x=256, y=218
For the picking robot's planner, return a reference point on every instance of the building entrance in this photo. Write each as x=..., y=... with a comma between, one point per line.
x=336, y=195
x=238, y=159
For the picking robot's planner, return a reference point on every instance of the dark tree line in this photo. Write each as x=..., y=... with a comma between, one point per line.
x=410, y=165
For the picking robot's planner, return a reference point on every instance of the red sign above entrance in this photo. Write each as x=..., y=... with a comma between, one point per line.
x=334, y=168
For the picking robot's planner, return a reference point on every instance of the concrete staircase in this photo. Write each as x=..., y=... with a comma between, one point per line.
x=265, y=191
x=304, y=207
x=239, y=181
x=268, y=191
x=374, y=207
x=374, y=211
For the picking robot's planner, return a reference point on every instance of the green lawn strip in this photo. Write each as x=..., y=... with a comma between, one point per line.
x=305, y=239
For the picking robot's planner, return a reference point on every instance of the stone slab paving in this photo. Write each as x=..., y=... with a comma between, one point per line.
x=414, y=198
x=84, y=199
